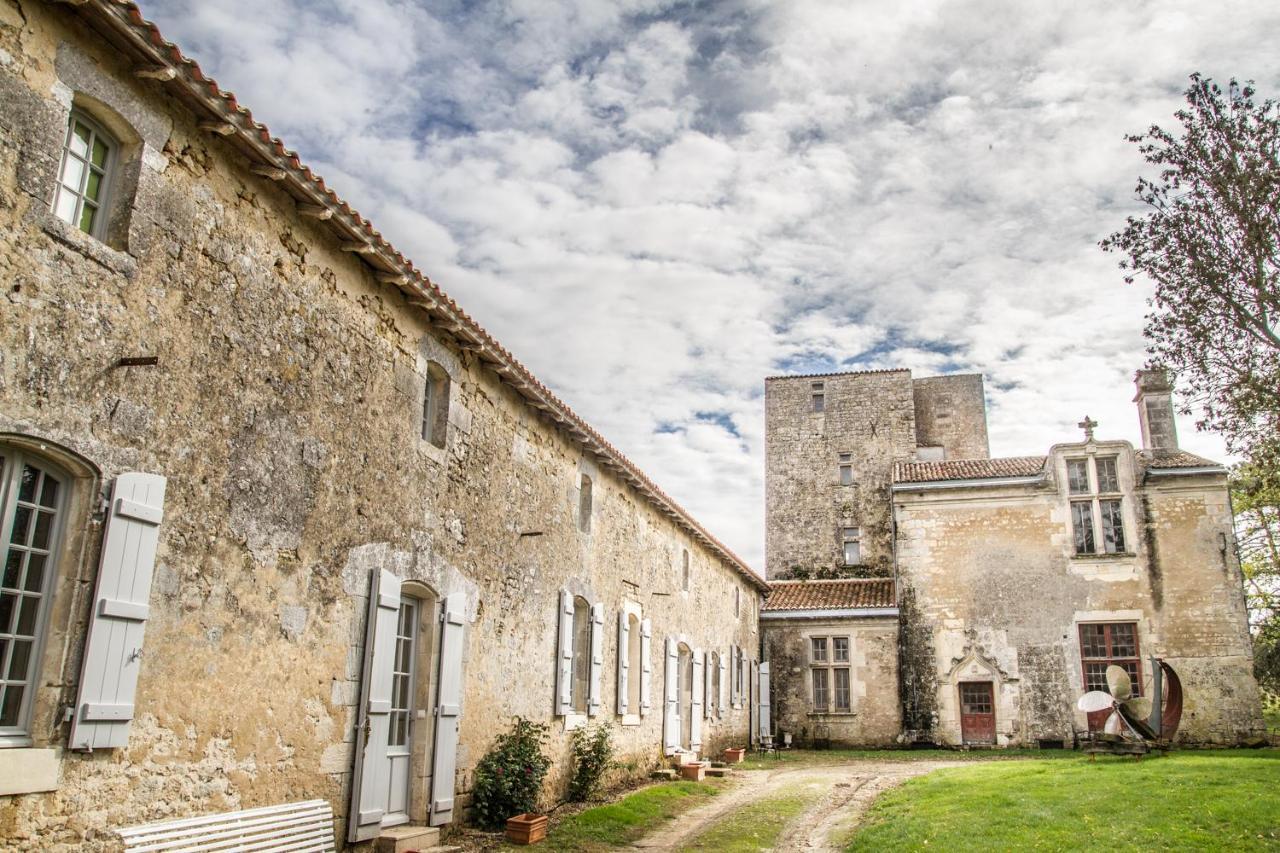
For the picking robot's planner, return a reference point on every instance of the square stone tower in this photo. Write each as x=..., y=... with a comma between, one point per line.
x=830, y=444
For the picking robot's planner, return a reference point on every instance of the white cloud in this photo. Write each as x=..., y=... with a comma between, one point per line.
x=656, y=204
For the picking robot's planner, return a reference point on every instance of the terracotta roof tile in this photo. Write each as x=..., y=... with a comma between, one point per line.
x=837, y=373
x=1161, y=459
x=135, y=35
x=852, y=593
x=968, y=469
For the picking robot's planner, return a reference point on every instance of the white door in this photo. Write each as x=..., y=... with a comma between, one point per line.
x=371, y=783
x=400, y=728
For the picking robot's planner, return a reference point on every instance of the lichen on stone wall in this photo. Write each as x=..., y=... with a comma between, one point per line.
x=917, y=681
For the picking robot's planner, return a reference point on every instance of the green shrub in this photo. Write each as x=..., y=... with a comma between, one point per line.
x=592, y=758
x=510, y=775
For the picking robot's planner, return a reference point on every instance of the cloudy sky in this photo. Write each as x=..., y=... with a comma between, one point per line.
x=656, y=204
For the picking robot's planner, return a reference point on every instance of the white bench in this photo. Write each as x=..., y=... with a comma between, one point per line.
x=305, y=826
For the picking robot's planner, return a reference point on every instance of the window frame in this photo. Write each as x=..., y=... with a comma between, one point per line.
x=435, y=405
x=1093, y=532
x=107, y=172
x=847, y=539
x=818, y=397
x=1110, y=658
x=844, y=469
x=581, y=658
x=825, y=668
x=15, y=459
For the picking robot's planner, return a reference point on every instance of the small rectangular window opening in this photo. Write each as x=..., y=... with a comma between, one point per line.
x=435, y=405
x=851, y=541
x=684, y=571
x=819, y=397
x=819, y=649
x=846, y=469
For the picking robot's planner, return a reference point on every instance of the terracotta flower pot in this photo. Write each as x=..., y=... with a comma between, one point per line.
x=734, y=756
x=694, y=772
x=526, y=828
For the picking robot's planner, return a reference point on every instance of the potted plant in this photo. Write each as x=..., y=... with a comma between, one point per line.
x=526, y=828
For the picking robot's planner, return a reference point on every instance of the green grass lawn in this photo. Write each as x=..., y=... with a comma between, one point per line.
x=633, y=816
x=1209, y=800
x=757, y=825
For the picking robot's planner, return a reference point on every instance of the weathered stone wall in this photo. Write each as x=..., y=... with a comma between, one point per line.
x=284, y=410
x=868, y=415
x=995, y=576
x=951, y=413
x=874, y=717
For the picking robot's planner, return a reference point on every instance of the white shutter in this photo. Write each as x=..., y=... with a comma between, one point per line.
x=564, y=656
x=113, y=648
x=734, y=654
x=596, y=687
x=646, y=665
x=444, y=761
x=708, y=688
x=624, y=661
x=724, y=682
x=371, y=782
x=695, y=703
x=671, y=699
x=763, y=713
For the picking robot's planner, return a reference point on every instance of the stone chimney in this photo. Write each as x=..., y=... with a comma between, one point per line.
x=1155, y=409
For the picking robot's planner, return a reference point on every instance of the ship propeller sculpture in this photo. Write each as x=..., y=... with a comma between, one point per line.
x=1133, y=719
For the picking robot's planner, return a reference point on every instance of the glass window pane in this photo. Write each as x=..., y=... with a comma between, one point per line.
x=852, y=554
x=8, y=603
x=1078, y=476
x=35, y=573
x=819, y=648
x=12, y=571
x=1108, y=481
x=846, y=475
x=49, y=492
x=79, y=139
x=73, y=173
x=87, y=214
x=27, y=616
x=65, y=207
x=1112, y=527
x=44, y=523
x=10, y=705
x=21, y=525
x=99, y=157
x=94, y=187
x=1082, y=524
x=1124, y=641
x=840, y=646
x=1093, y=643
x=18, y=663
x=819, y=403
x=30, y=479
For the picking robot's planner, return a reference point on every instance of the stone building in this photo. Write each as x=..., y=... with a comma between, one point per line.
x=281, y=521
x=1018, y=580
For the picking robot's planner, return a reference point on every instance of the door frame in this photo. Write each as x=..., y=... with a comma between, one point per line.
x=991, y=694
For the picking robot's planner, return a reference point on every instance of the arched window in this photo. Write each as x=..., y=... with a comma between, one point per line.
x=581, y=654
x=584, y=504
x=637, y=664
x=85, y=175
x=32, y=496
x=435, y=405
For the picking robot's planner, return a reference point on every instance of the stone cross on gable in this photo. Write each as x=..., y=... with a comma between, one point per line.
x=1087, y=425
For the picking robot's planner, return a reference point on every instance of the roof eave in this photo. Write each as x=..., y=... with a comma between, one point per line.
x=981, y=483
x=829, y=613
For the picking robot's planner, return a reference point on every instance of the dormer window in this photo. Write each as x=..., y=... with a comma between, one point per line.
x=1096, y=503
x=84, y=177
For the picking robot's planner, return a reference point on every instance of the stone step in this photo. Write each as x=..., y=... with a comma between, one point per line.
x=719, y=772
x=403, y=839
x=665, y=773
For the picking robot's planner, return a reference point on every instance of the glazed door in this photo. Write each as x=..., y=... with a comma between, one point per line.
x=977, y=712
x=371, y=782
x=400, y=730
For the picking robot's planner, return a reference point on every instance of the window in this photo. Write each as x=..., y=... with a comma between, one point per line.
x=846, y=469
x=31, y=498
x=684, y=570
x=402, y=677
x=84, y=177
x=830, y=680
x=1100, y=510
x=1109, y=644
x=435, y=405
x=584, y=504
x=851, y=541
x=819, y=397
x=737, y=601
x=820, y=689
x=581, y=655
x=636, y=668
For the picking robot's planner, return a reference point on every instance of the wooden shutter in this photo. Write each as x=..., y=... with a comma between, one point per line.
x=646, y=665
x=624, y=661
x=734, y=698
x=708, y=688
x=671, y=699
x=564, y=656
x=371, y=782
x=121, y=601
x=596, y=686
x=765, y=706
x=444, y=760
x=724, y=682
x=695, y=703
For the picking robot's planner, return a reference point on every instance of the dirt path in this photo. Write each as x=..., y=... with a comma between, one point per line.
x=850, y=788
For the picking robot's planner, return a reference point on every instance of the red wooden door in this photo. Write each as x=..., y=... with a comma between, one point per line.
x=977, y=712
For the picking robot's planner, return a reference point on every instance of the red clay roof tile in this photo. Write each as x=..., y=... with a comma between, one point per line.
x=843, y=594
x=967, y=469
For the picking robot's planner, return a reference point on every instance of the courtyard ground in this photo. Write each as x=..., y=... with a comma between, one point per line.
x=829, y=801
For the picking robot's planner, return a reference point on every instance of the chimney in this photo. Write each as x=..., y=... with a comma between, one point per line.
x=1155, y=409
